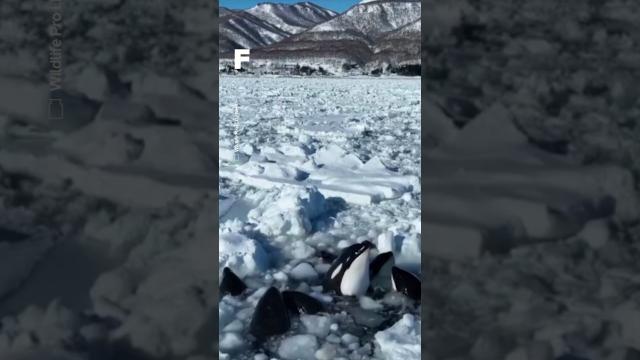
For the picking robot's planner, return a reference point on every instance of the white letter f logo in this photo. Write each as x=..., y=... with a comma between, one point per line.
x=240, y=56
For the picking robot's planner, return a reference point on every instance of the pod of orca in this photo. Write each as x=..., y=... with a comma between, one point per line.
x=350, y=274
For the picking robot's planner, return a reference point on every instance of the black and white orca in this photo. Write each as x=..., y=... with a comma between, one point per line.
x=349, y=273
x=405, y=282
x=301, y=303
x=326, y=256
x=231, y=283
x=270, y=317
x=380, y=272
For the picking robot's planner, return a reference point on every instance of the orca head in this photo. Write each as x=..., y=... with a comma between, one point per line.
x=357, y=250
x=406, y=283
x=355, y=277
x=368, y=244
x=231, y=283
x=379, y=262
x=301, y=303
x=270, y=317
x=349, y=255
x=380, y=273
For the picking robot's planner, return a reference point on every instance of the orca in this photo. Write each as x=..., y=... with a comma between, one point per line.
x=231, y=283
x=380, y=271
x=301, y=303
x=327, y=256
x=406, y=283
x=349, y=273
x=270, y=317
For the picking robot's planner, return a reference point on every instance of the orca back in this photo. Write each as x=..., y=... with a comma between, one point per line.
x=270, y=317
x=301, y=303
x=380, y=272
x=231, y=283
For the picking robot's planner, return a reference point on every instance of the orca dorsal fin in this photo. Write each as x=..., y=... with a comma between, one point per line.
x=270, y=317
x=231, y=283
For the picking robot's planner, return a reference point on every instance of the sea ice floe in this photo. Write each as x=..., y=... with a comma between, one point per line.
x=316, y=325
x=402, y=341
x=243, y=255
x=334, y=172
x=320, y=175
x=231, y=342
x=298, y=347
x=289, y=212
x=627, y=315
x=304, y=271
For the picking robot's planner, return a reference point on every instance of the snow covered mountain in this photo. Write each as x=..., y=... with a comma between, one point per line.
x=294, y=18
x=239, y=29
x=401, y=47
x=224, y=11
x=372, y=19
x=267, y=23
x=372, y=35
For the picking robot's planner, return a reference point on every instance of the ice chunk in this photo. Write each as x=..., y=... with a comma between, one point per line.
x=300, y=250
x=441, y=128
x=326, y=352
x=289, y=212
x=628, y=316
x=596, y=233
x=183, y=156
x=24, y=100
x=337, y=156
x=349, y=339
x=303, y=271
x=316, y=325
x=243, y=255
x=110, y=289
x=402, y=340
x=385, y=242
x=152, y=83
x=123, y=111
x=230, y=342
x=90, y=81
x=453, y=242
x=298, y=347
x=368, y=303
x=90, y=146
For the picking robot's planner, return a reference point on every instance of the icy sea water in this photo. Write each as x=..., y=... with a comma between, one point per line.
x=325, y=163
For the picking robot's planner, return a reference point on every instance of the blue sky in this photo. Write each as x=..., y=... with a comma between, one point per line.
x=335, y=5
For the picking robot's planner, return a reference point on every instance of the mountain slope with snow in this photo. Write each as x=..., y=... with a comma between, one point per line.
x=355, y=39
x=241, y=30
x=224, y=11
x=401, y=46
x=294, y=18
x=267, y=23
x=373, y=19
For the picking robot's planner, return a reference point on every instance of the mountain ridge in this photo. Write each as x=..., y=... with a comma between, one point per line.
x=372, y=36
x=267, y=23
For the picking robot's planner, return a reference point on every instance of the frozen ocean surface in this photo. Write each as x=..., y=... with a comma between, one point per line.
x=310, y=165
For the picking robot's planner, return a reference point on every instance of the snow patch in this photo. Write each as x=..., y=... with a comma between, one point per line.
x=402, y=340
x=241, y=254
